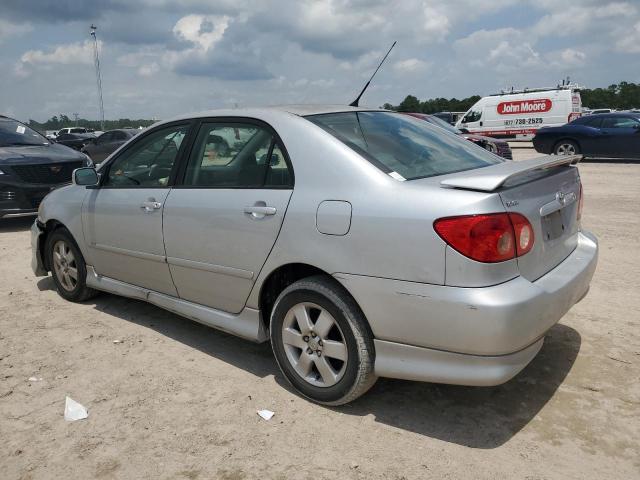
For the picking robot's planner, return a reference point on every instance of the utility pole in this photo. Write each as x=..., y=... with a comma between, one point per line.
x=75, y=117
x=96, y=61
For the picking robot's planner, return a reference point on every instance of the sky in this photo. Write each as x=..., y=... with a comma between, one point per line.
x=161, y=58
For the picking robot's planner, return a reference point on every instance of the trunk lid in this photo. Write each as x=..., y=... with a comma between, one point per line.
x=550, y=203
x=546, y=190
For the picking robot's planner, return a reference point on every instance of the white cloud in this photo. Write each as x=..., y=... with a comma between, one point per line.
x=629, y=40
x=8, y=29
x=204, y=31
x=72, y=53
x=410, y=65
x=568, y=20
x=573, y=57
x=148, y=69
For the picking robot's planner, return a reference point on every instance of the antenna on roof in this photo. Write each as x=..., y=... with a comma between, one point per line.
x=357, y=100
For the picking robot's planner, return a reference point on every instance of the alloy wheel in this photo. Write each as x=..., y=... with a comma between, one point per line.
x=64, y=265
x=566, y=149
x=314, y=344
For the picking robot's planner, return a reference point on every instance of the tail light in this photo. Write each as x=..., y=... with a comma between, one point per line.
x=580, y=203
x=489, y=238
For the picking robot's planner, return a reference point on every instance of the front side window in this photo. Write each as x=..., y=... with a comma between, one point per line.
x=148, y=162
x=472, y=116
x=407, y=146
x=235, y=155
x=591, y=122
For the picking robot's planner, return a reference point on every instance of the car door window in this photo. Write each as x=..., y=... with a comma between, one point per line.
x=278, y=173
x=619, y=122
x=105, y=137
x=472, y=116
x=593, y=122
x=148, y=162
x=119, y=136
x=234, y=155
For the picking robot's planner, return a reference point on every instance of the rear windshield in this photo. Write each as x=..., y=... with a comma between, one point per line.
x=15, y=133
x=402, y=145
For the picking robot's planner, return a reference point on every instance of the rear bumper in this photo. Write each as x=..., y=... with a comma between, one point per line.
x=463, y=326
x=397, y=360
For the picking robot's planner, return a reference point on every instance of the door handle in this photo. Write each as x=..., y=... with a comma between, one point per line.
x=150, y=205
x=260, y=211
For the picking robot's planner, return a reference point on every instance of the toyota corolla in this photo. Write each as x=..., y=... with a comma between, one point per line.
x=362, y=243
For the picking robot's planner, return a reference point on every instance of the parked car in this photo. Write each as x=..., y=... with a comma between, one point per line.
x=30, y=167
x=606, y=135
x=107, y=143
x=494, y=145
x=74, y=140
x=362, y=243
x=73, y=130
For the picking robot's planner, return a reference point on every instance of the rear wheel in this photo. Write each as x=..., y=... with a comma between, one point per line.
x=566, y=147
x=67, y=267
x=322, y=342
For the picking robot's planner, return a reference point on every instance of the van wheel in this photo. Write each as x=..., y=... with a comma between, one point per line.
x=68, y=268
x=322, y=342
x=566, y=147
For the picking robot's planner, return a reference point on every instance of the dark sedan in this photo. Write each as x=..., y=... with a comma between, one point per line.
x=30, y=167
x=606, y=135
x=494, y=145
x=74, y=140
x=107, y=143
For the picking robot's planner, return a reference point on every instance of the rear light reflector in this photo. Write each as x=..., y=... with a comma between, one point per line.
x=489, y=238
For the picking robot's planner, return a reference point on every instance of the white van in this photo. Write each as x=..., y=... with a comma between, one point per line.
x=519, y=114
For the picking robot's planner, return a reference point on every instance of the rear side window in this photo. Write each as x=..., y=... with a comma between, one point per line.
x=236, y=155
x=619, y=122
x=404, y=145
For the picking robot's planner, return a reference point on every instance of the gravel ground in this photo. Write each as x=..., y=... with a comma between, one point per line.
x=177, y=400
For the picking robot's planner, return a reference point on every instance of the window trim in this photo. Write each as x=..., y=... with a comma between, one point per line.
x=104, y=171
x=255, y=122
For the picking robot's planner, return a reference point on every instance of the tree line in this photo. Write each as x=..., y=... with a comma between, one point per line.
x=61, y=121
x=620, y=96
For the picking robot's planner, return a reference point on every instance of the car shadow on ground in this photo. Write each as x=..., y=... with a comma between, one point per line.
x=478, y=417
x=16, y=224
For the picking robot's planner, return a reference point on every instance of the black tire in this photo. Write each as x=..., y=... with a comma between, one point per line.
x=563, y=147
x=358, y=372
x=80, y=292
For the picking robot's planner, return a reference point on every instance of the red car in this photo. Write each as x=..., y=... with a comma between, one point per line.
x=494, y=145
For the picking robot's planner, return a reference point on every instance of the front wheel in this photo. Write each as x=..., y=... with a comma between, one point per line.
x=322, y=342
x=67, y=267
x=566, y=147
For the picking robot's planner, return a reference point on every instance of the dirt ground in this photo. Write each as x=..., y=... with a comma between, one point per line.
x=178, y=400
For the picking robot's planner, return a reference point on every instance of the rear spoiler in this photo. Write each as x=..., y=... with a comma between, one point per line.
x=491, y=178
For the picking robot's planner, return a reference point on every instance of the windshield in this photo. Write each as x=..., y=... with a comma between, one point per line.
x=15, y=133
x=402, y=145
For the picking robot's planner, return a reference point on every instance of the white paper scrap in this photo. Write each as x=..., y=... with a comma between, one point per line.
x=73, y=410
x=20, y=129
x=266, y=414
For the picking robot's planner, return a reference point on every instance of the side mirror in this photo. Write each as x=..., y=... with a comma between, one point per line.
x=86, y=176
x=463, y=130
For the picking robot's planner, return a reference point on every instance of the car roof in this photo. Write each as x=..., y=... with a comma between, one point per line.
x=298, y=110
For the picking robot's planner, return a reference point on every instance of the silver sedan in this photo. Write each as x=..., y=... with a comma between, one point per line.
x=361, y=243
